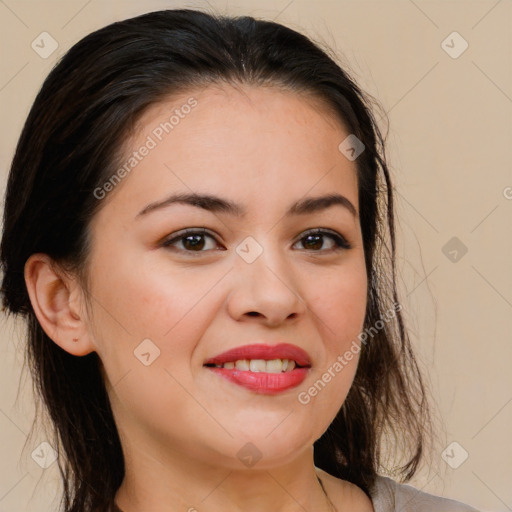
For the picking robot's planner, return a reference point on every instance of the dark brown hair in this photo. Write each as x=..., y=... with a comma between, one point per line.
x=71, y=144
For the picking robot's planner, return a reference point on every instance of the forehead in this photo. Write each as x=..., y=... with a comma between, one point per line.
x=236, y=140
x=261, y=98
x=237, y=112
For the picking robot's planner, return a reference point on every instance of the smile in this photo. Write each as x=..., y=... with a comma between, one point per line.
x=260, y=365
x=262, y=368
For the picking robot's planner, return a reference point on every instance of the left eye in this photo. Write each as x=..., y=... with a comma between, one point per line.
x=193, y=240
x=315, y=238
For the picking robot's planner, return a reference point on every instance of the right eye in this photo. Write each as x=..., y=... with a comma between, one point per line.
x=192, y=240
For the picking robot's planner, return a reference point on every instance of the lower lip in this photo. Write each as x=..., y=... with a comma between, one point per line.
x=262, y=382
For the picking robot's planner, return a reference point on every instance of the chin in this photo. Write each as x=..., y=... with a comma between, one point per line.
x=268, y=448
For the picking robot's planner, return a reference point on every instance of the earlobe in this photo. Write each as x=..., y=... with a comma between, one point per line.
x=52, y=295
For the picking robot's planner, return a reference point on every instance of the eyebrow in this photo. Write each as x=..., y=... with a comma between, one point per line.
x=219, y=205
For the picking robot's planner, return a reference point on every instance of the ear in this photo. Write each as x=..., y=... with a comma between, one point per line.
x=58, y=304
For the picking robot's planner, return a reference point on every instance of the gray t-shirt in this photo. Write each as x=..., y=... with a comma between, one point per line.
x=390, y=496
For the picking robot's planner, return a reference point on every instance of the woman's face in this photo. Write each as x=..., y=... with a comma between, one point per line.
x=165, y=302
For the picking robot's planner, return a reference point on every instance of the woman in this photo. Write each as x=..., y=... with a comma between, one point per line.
x=199, y=231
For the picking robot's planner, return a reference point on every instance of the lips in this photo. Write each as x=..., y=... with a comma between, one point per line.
x=262, y=382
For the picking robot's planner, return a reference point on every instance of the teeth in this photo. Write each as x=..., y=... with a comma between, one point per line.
x=260, y=365
x=243, y=364
x=274, y=366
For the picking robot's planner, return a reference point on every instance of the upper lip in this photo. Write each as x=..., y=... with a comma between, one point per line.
x=263, y=351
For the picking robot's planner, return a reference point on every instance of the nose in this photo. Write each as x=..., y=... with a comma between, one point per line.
x=265, y=291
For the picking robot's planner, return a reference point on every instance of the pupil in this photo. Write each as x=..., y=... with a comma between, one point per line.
x=196, y=243
x=309, y=237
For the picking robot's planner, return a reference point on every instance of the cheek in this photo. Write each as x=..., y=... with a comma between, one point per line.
x=339, y=311
x=340, y=305
x=144, y=300
x=142, y=303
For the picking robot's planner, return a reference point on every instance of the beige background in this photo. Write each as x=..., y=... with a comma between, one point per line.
x=449, y=148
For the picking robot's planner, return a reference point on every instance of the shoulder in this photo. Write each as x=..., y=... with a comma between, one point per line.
x=388, y=496
x=358, y=498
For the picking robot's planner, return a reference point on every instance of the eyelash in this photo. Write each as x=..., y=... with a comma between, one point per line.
x=340, y=241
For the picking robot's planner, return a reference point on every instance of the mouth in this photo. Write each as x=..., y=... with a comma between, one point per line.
x=259, y=365
x=262, y=368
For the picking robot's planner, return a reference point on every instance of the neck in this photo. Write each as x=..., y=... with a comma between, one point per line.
x=153, y=483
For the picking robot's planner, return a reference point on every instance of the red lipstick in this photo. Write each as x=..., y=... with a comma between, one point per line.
x=262, y=381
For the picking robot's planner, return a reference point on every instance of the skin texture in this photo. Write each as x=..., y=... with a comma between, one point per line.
x=181, y=425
